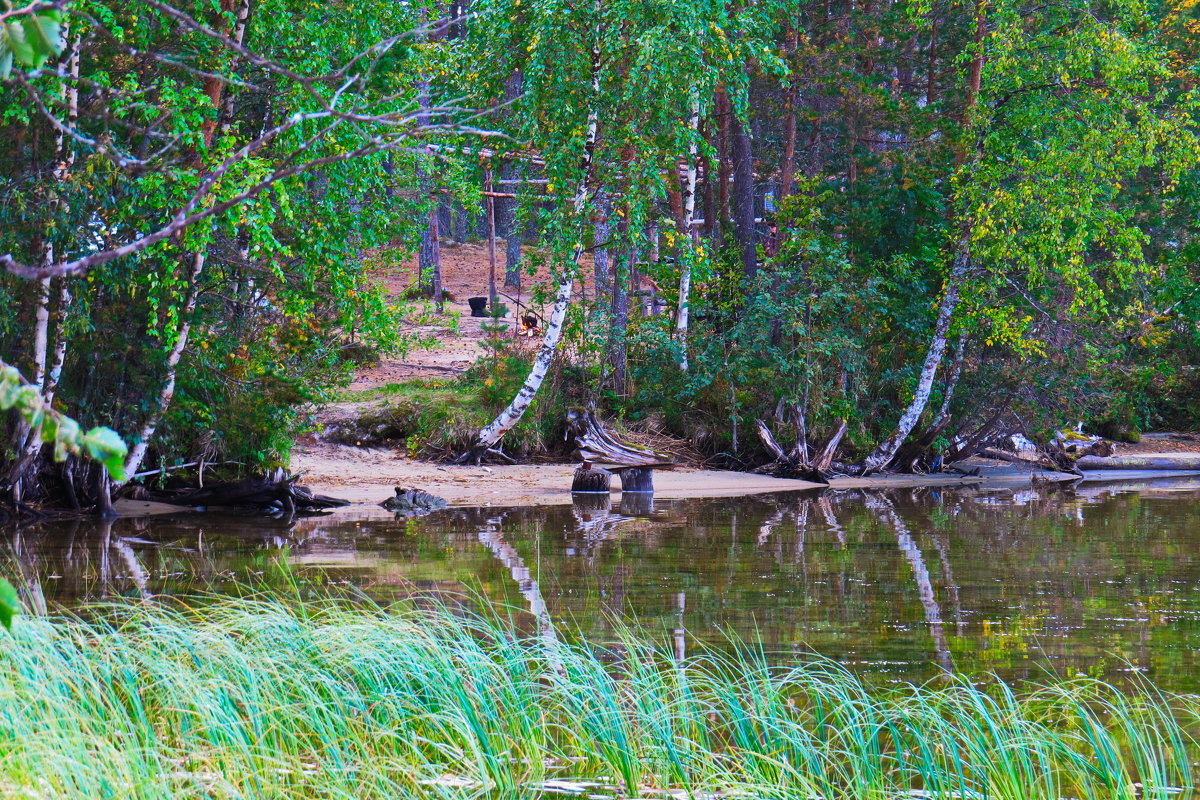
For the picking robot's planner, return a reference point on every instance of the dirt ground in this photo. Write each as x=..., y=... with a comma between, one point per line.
x=368, y=476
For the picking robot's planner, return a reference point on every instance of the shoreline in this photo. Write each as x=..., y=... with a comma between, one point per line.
x=367, y=476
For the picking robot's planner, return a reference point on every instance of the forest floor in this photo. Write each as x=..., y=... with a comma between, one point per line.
x=368, y=474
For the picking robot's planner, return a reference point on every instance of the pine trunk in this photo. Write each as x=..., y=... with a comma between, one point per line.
x=743, y=197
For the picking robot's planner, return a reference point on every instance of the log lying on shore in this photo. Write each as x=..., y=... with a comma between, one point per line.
x=273, y=493
x=1165, y=461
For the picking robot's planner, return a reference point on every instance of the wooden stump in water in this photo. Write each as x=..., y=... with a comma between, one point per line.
x=591, y=479
x=637, y=479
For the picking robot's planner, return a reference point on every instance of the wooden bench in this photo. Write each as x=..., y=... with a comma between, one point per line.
x=632, y=463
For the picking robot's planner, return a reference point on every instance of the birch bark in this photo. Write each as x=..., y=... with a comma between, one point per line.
x=689, y=236
x=886, y=451
x=510, y=416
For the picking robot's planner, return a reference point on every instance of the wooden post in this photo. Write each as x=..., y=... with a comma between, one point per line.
x=588, y=479
x=637, y=479
x=489, y=194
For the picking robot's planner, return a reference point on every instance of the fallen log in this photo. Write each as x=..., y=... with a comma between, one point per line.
x=1044, y=461
x=1175, y=461
x=271, y=493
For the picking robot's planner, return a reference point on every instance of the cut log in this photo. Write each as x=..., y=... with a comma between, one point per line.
x=636, y=479
x=591, y=480
x=1176, y=461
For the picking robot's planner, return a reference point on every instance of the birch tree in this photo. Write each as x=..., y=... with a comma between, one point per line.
x=1051, y=96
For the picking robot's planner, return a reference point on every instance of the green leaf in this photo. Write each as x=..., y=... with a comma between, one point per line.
x=67, y=439
x=18, y=43
x=45, y=34
x=6, y=61
x=9, y=605
x=105, y=446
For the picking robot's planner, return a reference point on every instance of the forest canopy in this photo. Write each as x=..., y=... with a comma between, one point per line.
x=895, y=230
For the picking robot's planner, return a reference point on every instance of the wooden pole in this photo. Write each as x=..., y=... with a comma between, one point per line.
x=490, y=194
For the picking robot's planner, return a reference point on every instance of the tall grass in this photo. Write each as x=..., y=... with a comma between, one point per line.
x=265, y=699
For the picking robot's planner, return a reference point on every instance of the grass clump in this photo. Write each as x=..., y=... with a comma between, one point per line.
x=259, y=698
x=442, y=418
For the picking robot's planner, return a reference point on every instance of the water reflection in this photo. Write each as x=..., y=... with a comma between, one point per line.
x=899, y=585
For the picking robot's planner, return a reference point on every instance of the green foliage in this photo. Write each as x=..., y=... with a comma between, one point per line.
x=59, y=430
x=9, y=604
x=29, y=39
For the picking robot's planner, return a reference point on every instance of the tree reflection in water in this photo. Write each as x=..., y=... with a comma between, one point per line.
x=903, y=585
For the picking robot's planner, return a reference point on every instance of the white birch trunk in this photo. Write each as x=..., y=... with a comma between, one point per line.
x=45, y=376
x=138, y=453
x=239, y=36
x=54, y=371
x=510, y=416
x=886, y=451
x=41, y=329
x=689, y=215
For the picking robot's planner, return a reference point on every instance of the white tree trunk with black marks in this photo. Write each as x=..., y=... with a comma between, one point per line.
x=138, y=453
x=886, y=451
x=493, y=432
x=689, y=234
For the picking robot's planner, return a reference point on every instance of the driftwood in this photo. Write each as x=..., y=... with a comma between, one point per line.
x=1182, y=461
x=271, y=493
x=632, y=463
x=797, y=464
x=409, y=502
x=597, y=444
x=1042, y=460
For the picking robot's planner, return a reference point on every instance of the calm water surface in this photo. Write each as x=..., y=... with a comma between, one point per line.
x=897, y=585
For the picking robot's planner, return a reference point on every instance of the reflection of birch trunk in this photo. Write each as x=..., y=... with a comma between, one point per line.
x=27, y=569
x=137, y=573
x=507, y=555
x=768, y=526
x=492, y=433
x=942, y=543
x=802, y=509
x=680, y=634
x=831, y=519
x=886, y=512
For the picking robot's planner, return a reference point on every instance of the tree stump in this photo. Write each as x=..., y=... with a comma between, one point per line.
x=637, y=479
x=591, y=480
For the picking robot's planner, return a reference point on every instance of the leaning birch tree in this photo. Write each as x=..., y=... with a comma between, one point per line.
x=1061, y=106
x=510, y=416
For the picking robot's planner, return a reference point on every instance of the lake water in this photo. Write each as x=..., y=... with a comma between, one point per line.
x=898, y=586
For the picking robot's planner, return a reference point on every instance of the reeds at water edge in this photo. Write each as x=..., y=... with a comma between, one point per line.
x=272, y=698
